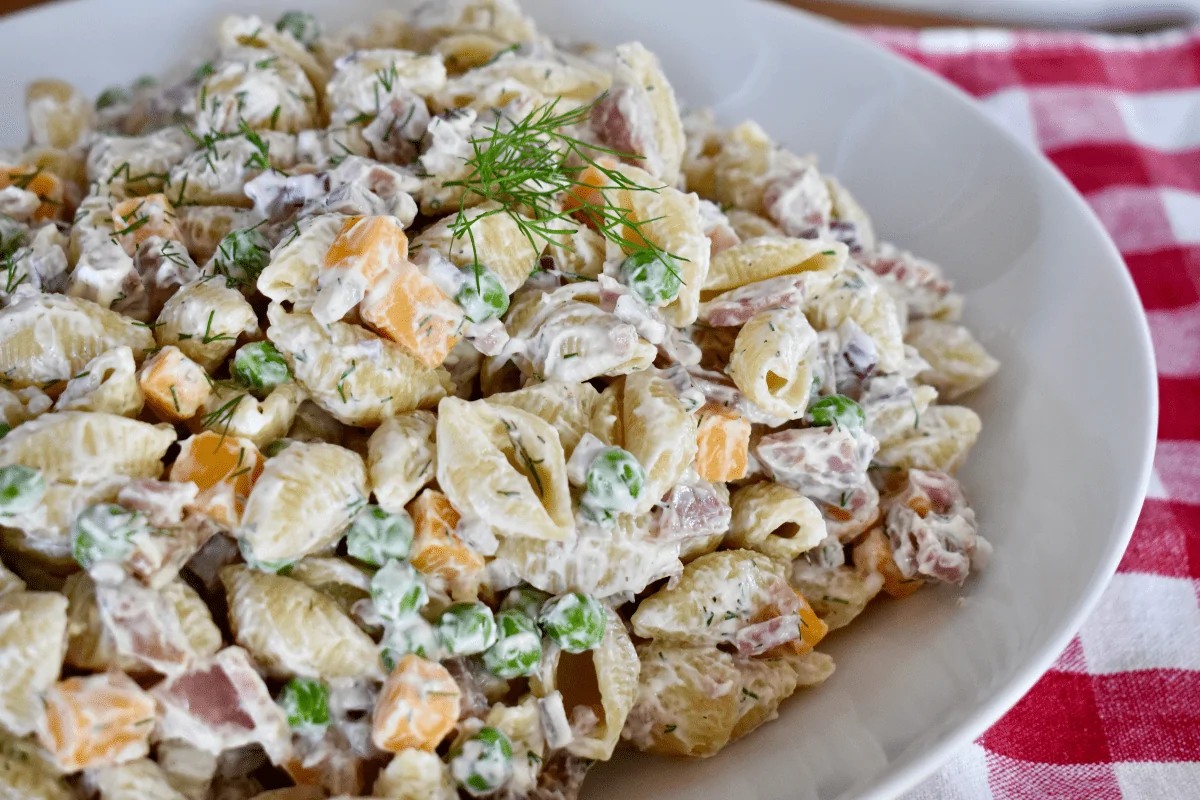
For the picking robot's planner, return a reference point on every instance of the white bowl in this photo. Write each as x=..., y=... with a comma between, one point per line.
x=1061, y=469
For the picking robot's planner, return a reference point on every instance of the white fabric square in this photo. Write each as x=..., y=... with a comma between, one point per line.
x=1143, y=622
x=1136, y=218
x=1074, y=115
x=963, y=778
x=1168, y=121
x=1176, y=336
x=1155, y=490
x=1178, y=466
x=1155, y=781
x=964, y=40
x=1010, y=107
x=1183, y=211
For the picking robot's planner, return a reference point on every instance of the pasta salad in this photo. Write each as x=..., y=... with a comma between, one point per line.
x=423, y=409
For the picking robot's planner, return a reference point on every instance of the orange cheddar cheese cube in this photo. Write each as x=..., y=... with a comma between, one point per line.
x=96, y=721
x=406, y=307
x=364, y=251
x=723, y=444
x=417, y=707
x=368, y=245
x=812, y=628
x=46, y=185
x=589, y=192
x=225, y=468
x=175, y=386
x=436, y=550
x=873, y=554
x=137, y=219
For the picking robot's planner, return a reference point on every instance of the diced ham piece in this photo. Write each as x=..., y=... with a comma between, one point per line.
x=221, y=704
x=826, y=464
x=143, y=625
x=932, y=530
x=799, y=202
x=692, y=508
x=738, y=306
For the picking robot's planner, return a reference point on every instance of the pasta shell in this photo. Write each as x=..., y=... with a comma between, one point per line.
x=957, y=362
x=33, y=636
x=941, y=441
x=48, y=337
x=566, y=406
x=84, y=446
x=603, y=679
x=291, y=277
x=771, y=362
x=303, y=501
x=774, y=520
x=767, y=257
x=658, y=431
x=205, y=319
x=505, y=467
x=687, y=700
x=293, y=630
x=402, y=458
x=499, y=244
x=26, y=773
x=358, y=377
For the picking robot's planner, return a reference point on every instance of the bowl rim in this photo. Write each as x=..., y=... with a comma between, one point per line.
x=909, y=770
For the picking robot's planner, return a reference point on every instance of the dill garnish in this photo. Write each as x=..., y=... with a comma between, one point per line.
x=527, y=165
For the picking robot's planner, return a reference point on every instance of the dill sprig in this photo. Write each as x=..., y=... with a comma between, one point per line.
x=261, y=157
x=526, y=166
x=223, y=416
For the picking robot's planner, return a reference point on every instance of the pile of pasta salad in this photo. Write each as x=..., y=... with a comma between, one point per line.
x=422, y=409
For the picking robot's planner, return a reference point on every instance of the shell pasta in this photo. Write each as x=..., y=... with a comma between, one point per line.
x=430, y=409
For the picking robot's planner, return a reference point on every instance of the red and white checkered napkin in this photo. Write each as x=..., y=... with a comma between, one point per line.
x=1118, y=716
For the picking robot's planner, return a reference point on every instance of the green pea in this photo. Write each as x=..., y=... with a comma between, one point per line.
x=4, y=429
x=145, y=82
x=104, y=532
x=277, y=567
x=21, y=489
x=304, y=27
x=615, y=481
x=260, y=367
x=398, y=591
x=242, y=256
x=483, y=763
x=839, y=410
x=375, y=535
x=575, y=622
x=466, y=628
x=306, y=703
x=527, y=600
x=482, y=295
x=414, y=636
x=112, y=96
x=518, y=649
x=652, y=275
x=276, y=447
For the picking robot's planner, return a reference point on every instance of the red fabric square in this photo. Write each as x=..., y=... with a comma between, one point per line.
x=1060, y=66
x=1159, y=545
x=1178, y=408
x=1166, y=278
x=1056, y=723
x=1151, y=715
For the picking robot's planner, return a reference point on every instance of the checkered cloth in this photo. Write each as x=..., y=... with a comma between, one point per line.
x=1118, y=716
